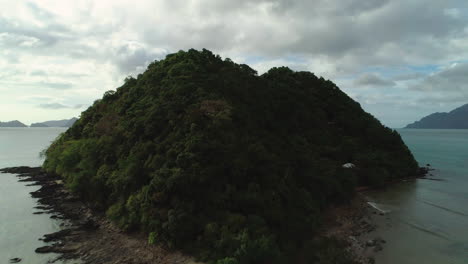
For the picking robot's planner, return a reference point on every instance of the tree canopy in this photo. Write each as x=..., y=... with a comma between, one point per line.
x=207, y=156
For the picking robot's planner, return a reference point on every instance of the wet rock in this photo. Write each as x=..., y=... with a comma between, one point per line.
x=56, y=248
x=57, y=235
x=90, y=225
x=44, y=249
x=41, y=207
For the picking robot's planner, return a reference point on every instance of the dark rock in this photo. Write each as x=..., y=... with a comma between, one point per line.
x=21, y=170
x=44, y=249
x=57, y=235
x=90, y=225
x=56, y=248
x=40, y=207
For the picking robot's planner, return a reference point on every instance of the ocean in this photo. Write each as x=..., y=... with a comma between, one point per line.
x=427, y=220
x=20, y=229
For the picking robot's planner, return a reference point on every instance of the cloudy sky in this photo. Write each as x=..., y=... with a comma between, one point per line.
x=401, y=59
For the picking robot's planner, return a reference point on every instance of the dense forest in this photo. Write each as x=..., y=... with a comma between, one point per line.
x=206, y=156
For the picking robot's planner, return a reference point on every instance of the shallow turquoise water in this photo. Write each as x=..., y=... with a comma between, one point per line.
x=428, y=222
x=19, y=227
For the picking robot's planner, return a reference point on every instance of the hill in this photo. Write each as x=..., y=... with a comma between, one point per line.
x=455, y=119
x=38, y=125
x=207, y=156
x=56, y=123
x=14, y=123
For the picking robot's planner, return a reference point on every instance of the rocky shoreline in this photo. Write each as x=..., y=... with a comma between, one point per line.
x=354, y=224
x=87, y=236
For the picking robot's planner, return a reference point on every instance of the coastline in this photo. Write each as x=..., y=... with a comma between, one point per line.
x=356, y=222
x=89, y=237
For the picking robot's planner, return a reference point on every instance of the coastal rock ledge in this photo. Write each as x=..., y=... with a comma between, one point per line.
x=86, y=234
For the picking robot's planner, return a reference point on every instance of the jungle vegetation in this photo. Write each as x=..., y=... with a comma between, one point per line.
x=206, y=156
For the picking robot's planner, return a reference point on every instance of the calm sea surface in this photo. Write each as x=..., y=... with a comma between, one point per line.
x=19, y=227
x=428, y=222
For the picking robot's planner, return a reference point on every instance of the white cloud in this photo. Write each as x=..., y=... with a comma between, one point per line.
x=89, y=46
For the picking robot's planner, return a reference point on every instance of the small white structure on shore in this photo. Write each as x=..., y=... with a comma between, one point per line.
x=348, y=165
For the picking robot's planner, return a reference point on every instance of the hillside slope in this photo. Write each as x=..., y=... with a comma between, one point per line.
x=455, y=119
x=206, y=156
x=14, y=123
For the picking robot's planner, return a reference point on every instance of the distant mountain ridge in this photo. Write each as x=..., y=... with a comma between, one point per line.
x=14, y=123
x=52, y=123
x=56, y=123
x=455, y=119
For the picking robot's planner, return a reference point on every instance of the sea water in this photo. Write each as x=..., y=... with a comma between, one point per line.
x=428, y=219
x=20, y=229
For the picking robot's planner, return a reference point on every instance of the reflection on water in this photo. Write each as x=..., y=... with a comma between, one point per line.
x=429, y=219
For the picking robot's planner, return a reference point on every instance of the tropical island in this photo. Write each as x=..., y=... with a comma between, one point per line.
x=205, y=156
x=455, y=119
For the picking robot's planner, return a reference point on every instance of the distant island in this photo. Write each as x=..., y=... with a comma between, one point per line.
x=14, y=123
x=56, y=123
x=455, y=119
x=52, y=123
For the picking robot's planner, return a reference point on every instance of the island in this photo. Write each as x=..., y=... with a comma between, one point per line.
x=455, y=119
x=14, y=123
x=205, y=156
x=56, y=123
